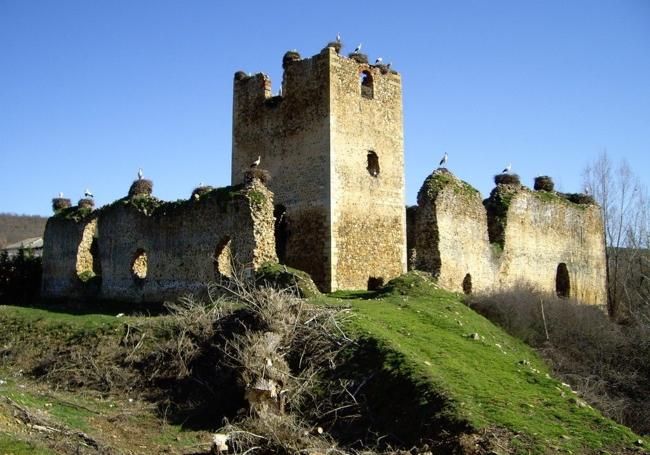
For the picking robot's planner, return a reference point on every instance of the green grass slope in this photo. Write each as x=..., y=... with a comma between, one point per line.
x=491, y=380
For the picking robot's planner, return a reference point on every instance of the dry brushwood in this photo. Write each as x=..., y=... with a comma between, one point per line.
x=544, y=183
x=262, y=175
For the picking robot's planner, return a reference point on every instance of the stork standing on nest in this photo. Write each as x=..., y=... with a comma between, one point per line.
x=338, y=37
x=88, y=193
x=507, y=169
x=60, y=194
x=256, y=162
x=378, y=61
x=357, y=49
x=140, y=174
x=443, y=161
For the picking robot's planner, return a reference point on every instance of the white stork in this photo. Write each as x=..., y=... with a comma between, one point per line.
x=88, y=193
x=357, y=49
x=256, y=162
x=379, y=60
x=60, y=194
x=507, y=169
x=140, y=174
x=443, y=161
x=338, y=37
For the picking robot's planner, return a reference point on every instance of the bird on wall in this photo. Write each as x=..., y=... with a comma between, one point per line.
x=140, y=174
x=88, y=193
x=338, y=37
x=60, y=194
x=256, y=162
x=587, y=190
x=388, y=65
x=357, y=49
x=507, y=169
x=443, y=161
x=379, y=60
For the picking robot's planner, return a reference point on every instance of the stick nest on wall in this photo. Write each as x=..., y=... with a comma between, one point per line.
x=507, y=179
x=60, y=203
x=359, y=57
x=290, y=56
x=336, y=45
x=262, y=175
x=141, y=187
x=86, y=203
x=200, y=191
x=240, y=76
x=544, y=183
x=580, y=198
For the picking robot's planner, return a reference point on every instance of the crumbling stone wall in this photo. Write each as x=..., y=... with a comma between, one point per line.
x=451, y=237
x=344, y=225
x=68, y=260
x=537, y=237
x=545, y=230
x=154, y=251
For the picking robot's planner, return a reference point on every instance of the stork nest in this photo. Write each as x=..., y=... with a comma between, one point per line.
x=336, y=45
x=262, y=175
x=580, y=198
x=383, y=69
x=141, y=187
x=240, y=76
x=200, y=191
x=359, y=57
x=544, y=183
x=507, y=179
x=290, y=56
x=86, y=203
x=60, y=203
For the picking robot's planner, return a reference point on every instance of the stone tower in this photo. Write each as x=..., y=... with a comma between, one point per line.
x=333, y=143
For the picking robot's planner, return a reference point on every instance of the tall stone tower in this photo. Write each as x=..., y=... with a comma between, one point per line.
x=333, y=143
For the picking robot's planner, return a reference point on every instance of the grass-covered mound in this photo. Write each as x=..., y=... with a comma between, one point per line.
x=282, y=277
x=486, y=379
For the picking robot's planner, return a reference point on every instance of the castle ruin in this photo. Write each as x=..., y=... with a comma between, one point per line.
x=332, y=141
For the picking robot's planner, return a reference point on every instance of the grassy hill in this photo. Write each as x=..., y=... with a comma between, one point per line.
x=427, y=365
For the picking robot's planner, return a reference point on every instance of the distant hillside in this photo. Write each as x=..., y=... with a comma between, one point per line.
x=18, y=227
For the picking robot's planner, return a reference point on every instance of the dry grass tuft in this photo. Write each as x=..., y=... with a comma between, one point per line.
x=141, y=187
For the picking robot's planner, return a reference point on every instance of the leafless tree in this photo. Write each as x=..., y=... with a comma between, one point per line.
x=626, y=218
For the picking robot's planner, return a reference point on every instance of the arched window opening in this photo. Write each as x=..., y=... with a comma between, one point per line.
x=367, y=85
x=88, y=265
x=562, y=281
x=139, y=265
x=223, y=258
x=375, y=282
x=467, y=284
x=373, y=164
x=281, y=232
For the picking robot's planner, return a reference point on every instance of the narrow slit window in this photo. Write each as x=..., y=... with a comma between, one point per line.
x=367, y=85
x=373, y=164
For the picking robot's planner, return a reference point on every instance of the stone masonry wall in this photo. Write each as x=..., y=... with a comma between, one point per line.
x=368, y=217
x=291, y=134
x=173, y=247
x=451, y=234
x=542, y=231
x=344, y=225
x=67, y=254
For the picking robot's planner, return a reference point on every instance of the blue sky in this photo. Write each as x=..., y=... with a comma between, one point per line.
x=92, y=90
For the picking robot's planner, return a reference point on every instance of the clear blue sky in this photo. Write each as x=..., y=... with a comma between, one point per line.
x=92, y=90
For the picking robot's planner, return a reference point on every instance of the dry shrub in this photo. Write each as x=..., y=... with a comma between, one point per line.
x=507, y=179
x=141, y=187
x=358, y=57
x=60, y=203
x=606, y=362
x=544, y=183
x=262, y=175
